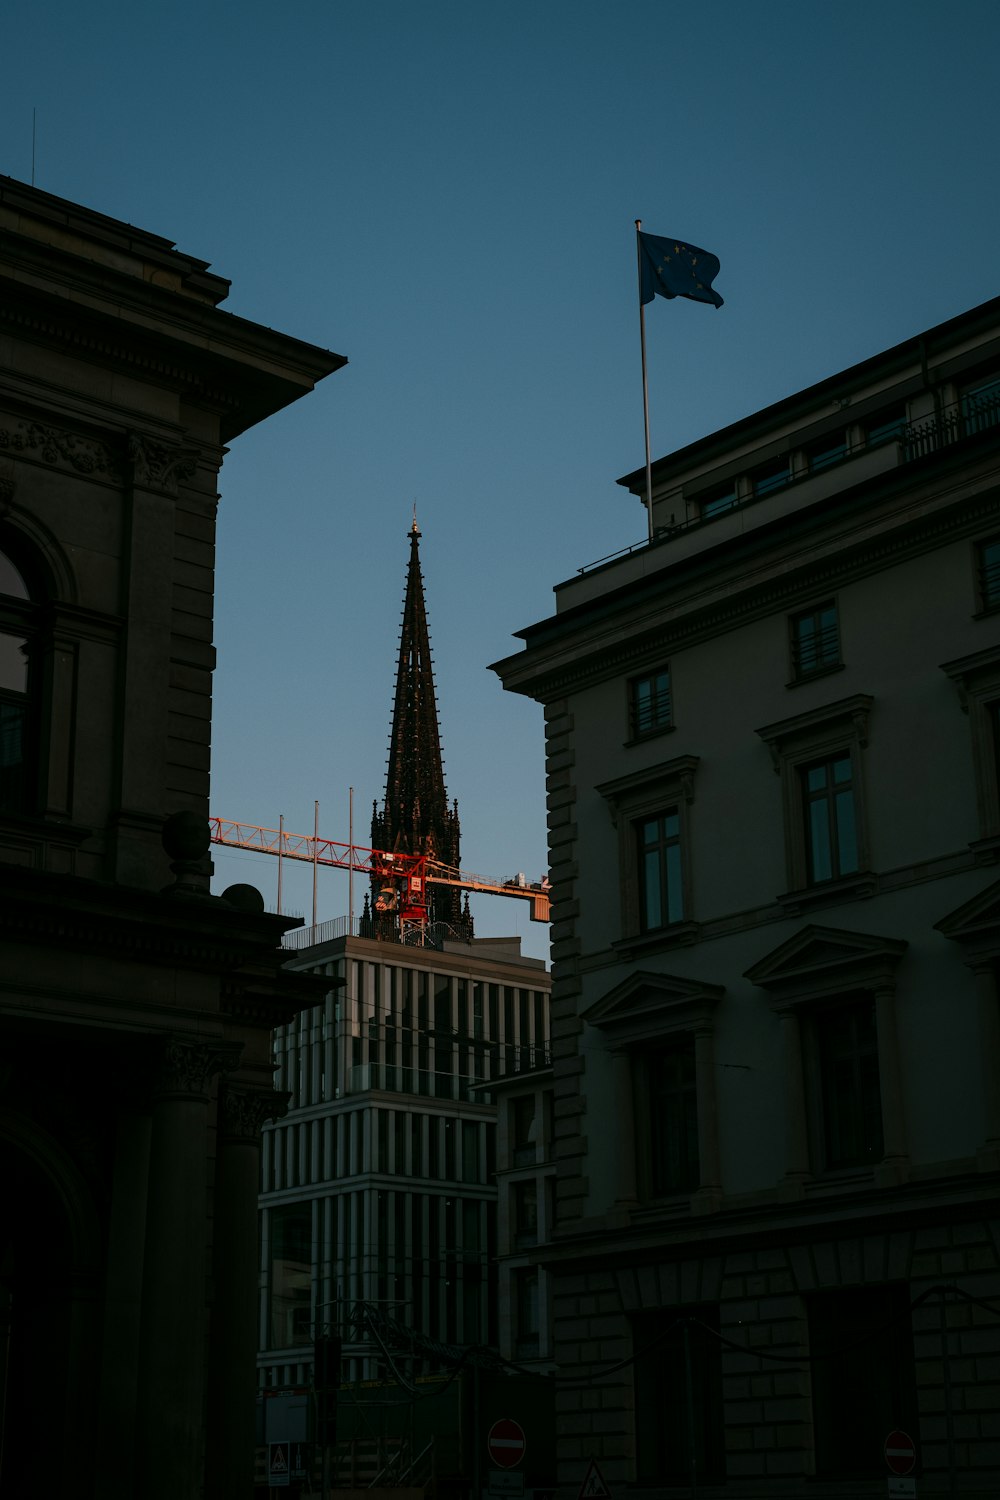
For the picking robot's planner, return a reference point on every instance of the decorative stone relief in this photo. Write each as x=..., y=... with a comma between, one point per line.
x=244, y=1111
x=159, y=466
x=53, y=445
x=189, y=1067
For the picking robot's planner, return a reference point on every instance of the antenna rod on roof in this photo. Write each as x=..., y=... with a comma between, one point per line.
x=34, y=114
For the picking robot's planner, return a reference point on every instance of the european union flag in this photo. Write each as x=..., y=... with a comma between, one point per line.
x=674, y=269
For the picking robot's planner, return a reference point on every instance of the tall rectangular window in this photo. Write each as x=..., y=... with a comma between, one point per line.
x=523, y=1131
x=815, y=640
x=852, y=1104
x=678, y=1397
x=988, y=559
x=830, y=819
x=660, y=885
x=290, y=1275
x=673, y=1119
x=527, y=1314
x=862, y=1377
x=525, y=1207
x=650, y=704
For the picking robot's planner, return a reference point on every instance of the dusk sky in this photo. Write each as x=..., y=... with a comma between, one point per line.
x=446, y=193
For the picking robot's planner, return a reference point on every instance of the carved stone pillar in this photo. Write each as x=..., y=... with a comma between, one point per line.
x=894, y=1166
x=233, y=1353
x=170, y=1416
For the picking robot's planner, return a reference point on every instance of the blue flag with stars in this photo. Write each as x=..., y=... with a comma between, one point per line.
x=671, y=268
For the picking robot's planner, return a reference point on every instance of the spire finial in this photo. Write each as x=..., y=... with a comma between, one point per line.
x=415, y=529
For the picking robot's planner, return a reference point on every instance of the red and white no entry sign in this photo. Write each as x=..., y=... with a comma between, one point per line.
x=505, y=1443
x=900, y=1452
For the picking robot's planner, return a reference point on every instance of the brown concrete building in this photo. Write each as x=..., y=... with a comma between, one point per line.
x=136, y=1010
x=773, y=742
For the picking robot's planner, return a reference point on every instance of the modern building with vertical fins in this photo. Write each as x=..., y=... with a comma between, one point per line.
x=379, y=1198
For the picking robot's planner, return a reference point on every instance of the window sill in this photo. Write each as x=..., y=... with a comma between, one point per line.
x=650, y=734
x=831, y=893
x=804, y=677
x=680, y=935
x=986, y=851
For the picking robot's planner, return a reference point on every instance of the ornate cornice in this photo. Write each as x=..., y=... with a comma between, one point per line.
x=61, y=448
x=160, y=466
x=702, y=622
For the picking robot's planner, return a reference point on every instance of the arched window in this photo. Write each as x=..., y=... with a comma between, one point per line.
x=16, y=792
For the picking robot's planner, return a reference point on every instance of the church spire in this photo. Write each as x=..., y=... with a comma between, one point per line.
x=416, y=818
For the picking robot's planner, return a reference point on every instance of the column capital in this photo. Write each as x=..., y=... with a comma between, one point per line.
x=245, y=1110
x=185, y=1069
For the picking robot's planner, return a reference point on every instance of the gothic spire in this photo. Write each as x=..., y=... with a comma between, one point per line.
x=415, y=817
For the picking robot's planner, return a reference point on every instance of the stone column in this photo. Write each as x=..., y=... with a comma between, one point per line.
x=233, y=1351
x=170, y=1407
x=710, y=1172
x=895, y=1162
x=988, y=1016
x=797, y=1168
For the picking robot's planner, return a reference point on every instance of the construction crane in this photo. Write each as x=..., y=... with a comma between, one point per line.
x=402, y=879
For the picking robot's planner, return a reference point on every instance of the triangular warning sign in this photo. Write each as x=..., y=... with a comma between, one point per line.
x=593, y=1486
x=279, y=1463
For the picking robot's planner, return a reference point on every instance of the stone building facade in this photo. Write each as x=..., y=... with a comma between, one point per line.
x=136, y=1009
x=773, y=752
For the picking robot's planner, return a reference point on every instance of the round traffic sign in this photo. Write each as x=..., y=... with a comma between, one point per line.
x=900, y=1452
x=505, y=1443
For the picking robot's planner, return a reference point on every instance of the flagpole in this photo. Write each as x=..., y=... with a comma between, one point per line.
x=645, y=385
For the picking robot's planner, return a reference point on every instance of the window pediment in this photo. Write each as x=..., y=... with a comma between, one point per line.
x=647, y=788
x=814, y=729
x=976, y=923
x=821, y=960
x=651, y=1005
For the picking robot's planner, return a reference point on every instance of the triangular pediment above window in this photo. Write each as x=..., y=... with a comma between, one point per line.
x=649, y=1004
x=976, y=923
x=819, y=959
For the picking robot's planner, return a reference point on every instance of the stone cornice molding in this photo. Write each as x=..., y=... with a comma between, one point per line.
x=162, y=467
x=61, y=448
x=245, y=1111
x=702, y=623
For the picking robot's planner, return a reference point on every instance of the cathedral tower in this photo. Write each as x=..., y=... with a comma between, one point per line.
x=416, y=817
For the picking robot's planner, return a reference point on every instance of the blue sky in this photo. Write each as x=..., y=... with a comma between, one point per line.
x=445, y=193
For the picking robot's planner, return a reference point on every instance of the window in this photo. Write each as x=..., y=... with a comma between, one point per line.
x=829, y=451
x=830, y=819
x=818, y=756
x=988, y=575
x=815, y=641
x=770, y=477
x=650, y=707
x=290, y=1280
x=525, y=1195
x=523, y=1131
x=977, y=679
x=673, y=1109
x=15, y=723
x=678, y=1395
x=863, y=1386
x=660, y=1104
x=661, y=893
x=834, y=993
x=650, y=810
x=980, y=405
x=717, y=501
x=887, y=426
x=527, y=1314
x=852, y=1111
